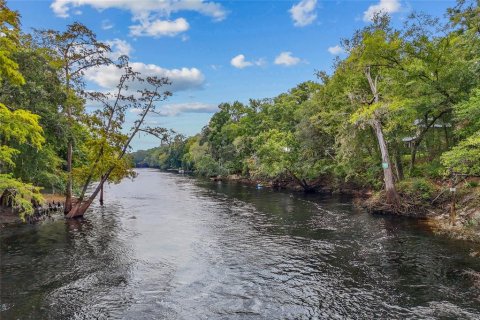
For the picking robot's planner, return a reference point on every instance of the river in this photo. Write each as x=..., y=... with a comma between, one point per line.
x=169, y=246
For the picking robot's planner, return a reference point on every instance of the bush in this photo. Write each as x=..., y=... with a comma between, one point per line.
x=417, y=188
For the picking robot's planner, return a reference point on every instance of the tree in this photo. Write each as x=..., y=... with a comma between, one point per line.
x=438, y=75
x=9, y=41
x=20, y=126
x=75, y=50
x=374, y=52
x=464, y=158
x=109, y=159
x=41, y=94
x=16, y=126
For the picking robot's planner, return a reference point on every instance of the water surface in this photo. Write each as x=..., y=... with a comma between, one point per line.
x=168, y=246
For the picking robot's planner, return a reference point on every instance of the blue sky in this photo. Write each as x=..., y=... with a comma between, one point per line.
x=217, y=51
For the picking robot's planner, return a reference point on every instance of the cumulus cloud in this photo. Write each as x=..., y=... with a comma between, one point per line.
x=162, y=7
x=303, y=13
x=384, y=6
x=119, y=48
x=336, y=50
x=240, y=62
x=152, y=16
x=182, y=79
x=285, y=58
x=158, y=28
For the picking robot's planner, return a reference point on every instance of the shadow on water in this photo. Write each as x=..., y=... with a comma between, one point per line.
x=172, y=247
x=49, y=270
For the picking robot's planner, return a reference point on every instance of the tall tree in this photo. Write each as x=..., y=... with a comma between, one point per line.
x=375, y=53
x=75, y=50
x=438, y=75
x=112, y=144
x=17, y=126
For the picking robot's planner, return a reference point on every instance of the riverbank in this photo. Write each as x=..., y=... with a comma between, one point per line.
x=420, y=198
x=52, y=203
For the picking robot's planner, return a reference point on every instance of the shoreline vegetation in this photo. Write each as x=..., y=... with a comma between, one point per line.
x=396, y=121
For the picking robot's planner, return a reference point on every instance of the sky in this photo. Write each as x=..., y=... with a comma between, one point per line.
x=216, y=51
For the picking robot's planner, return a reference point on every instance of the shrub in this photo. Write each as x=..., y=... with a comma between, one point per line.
x=417, y=188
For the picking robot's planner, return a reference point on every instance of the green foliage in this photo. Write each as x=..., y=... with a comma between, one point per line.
x=9, y=41
x=21, y=194
x=467, y=114
x=417, y=188
x=464, y=158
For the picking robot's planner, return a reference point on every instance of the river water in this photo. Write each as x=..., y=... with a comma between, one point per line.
x=168, y=246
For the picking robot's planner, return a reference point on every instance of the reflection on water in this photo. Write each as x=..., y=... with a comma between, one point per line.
x=172, y=247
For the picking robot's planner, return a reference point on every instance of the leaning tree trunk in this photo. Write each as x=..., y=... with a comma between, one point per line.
x=79, y=209
x=390, y=190
x=301, y=182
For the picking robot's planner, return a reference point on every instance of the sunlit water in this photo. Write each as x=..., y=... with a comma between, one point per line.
x=167, y=246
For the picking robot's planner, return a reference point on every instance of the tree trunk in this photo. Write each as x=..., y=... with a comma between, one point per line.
x=101, y=194
x=390, y=190
x=422, y=134
x=68, y=191
x=79, y=209
x=445, y=131
x=413, y=155
x=398, y=162
x=300, y=182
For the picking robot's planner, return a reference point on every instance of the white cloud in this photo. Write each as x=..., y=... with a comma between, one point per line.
x=119, y=48
x=107, y=25
x=158, y=28
x=336, y=50
x=303, y=13
x=285, y=58
x=138, y=8
x=182, y=79
x=187, y=107
x=152, y=16
x=384, y=6
x=175, y=109
x=239, y=62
